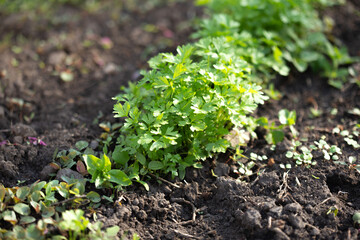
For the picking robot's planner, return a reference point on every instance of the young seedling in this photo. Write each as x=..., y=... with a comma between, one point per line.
x=333, y=210
x=275, y=133
x=356, y=219
x=247, y=164
x=304, y=156
x=349, y=136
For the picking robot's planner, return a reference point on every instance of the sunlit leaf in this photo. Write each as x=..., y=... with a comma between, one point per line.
x=93, y=196
x=121, y=157
x=27, y=219
x=22, y=192
x=81, y=145
x=22, y=209
x=119, y=177
x=155, y=165
x=10, y=216
x=67, y=76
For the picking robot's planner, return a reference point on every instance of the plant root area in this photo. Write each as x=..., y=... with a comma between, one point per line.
x=58, y=76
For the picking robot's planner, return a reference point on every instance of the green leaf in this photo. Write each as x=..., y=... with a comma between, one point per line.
x=121, y=110
x=63, y=192
x=2, y=192
x=219, y=146
x=157, y=145
x=275, y=136
x=37, y=186
x=141, y=158
x=287, y=117
x=120, y=156
x=66, y=76
x=119, y=177
x=155, y=165
x=33, y=232
x=277, y=54
x=93, y=197
x=94, y=164
x=145, y=139
x=112, y=231
x=22, y=193
x=81, y=145
x=146, y=186
x=9, y=216
x=47, y=211
x=300, y=65
x=180, y=69
x=17, y=233
x=27, y=219
x=289, y=154
x=263, y=122
x=309, y=56
x=22, y=209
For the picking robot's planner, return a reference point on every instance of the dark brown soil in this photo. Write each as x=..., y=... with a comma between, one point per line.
x=274, y=205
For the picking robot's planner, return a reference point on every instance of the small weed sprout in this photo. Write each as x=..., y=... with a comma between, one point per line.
x=247, y=164
x=275, y=134
x=352, y=163
x=304, y=156
x=356, y=219
x=333, y=210
x=330, y=152
x=315, y=113
x=349, y=137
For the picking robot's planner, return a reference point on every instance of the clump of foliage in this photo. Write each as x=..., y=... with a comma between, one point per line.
x=356, y=219
x=10, y=6
x=78, y=226
x=275, y=133
x=270, y=34
x=36, y=208
x=304, y=155
x=182, y=109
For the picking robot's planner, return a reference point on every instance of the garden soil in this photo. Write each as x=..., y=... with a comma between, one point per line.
x=100, y=51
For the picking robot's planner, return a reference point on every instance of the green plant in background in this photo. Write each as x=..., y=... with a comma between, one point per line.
x=269, y=34
x=10, y=6
x=246, y=165
x=315, y=113
x=333, y=210
x=182, y=109
x=72, y=225
x=302, y=157
x=356, y=219
x=303, y=154
x=350, y=137
x=329, y=152
x=78, y=226
x=275, y=133
x=102, y=174
x=37, y=207
x=68, y=158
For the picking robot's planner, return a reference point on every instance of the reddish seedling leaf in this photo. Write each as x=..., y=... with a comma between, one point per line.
x=81, y=168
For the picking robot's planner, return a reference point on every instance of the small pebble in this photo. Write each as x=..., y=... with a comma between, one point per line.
x=65, y=172
x=94, y=144
x=18, y=139
x=296, y=221
x=276, y=211
x=251, y=219
x=293, y=207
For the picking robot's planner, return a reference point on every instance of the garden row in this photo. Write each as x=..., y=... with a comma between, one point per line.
x=181, y=110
